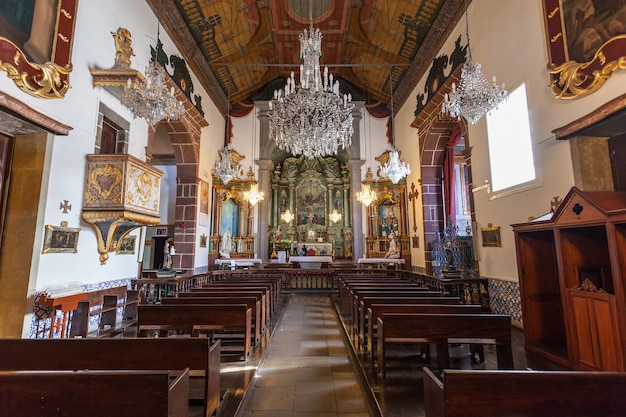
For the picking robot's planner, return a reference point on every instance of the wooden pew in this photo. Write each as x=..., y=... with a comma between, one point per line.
x=366, y=302
x=270, y=303
x=524, y=393
x=260, y=296
x=94, y=393
x=194, y=318
x=375, y=311
x=441, y=329
x=200, y=356
x=252, y=302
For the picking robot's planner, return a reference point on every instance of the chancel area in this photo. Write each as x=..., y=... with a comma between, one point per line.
x=306, y=207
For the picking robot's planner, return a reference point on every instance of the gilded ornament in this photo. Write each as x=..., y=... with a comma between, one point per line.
x=105, y=180
x=144, y=186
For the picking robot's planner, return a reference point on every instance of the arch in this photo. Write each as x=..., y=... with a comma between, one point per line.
x=185, y=137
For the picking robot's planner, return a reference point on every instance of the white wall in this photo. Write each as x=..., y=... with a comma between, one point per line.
x=93, y=48
x=508, y=39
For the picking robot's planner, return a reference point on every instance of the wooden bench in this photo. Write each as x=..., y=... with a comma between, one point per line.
x=494, y=393
x=269, y=290
x=254, y=303
x=259, y=295
x=105, y=303
x=441, y=329
x=94, y=393
x=375, y=311
x=197, y=354
x=232, y=321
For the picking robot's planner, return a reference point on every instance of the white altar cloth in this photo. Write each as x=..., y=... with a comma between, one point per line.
x=311, y=262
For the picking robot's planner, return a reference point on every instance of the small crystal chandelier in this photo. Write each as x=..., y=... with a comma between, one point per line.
x=335, y=216
x=253, y=196
x=151, y=99
x=394, y=168
x=366, y=196
x=311, y=118
x=474, y=96
x=227, y=167
x=287, y=216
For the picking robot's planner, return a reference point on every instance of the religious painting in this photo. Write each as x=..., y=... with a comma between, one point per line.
x=311, y=203
x=387, y=214
x=491, y=236
x=203, y=241
x=36, y=39
x=60, y=239
x=204, y=197
x=126, y=246
x=586, y=42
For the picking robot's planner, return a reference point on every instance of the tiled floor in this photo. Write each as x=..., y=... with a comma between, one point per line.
x=306, y=371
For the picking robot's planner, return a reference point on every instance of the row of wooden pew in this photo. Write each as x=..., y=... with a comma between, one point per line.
x=159, y=371
x=380, y=311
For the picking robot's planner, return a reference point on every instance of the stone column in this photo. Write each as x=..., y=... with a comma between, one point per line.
x=262, y=239
x=357, y=213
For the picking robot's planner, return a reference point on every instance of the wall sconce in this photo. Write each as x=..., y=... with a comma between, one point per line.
x=287, y=216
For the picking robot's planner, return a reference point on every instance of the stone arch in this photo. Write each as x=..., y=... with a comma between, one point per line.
x=434, y=129
x=184, y=134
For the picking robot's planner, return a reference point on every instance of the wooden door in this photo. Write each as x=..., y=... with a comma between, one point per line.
x=6, y=157
x=617, y=154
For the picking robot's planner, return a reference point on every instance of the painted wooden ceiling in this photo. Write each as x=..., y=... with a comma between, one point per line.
x=244, y=49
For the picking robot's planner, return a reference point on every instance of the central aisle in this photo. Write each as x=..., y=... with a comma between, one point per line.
x=306, y=370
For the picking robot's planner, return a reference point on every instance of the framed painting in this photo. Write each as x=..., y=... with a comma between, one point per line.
x=491, y=236
x=160, y=231
x=586, y=42
x=36, y=45
x=126, y=246
x=60, y=239
x=311, y=203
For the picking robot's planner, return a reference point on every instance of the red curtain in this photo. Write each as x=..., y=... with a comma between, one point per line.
x=448, y=174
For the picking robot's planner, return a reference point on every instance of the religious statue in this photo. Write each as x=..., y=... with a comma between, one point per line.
x=168, y=251
x=226, y=245
x=394, y=251
x=123, y=48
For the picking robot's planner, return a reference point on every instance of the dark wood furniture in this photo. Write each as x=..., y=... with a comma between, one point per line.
x=571, y=272
x=94, y=393
x=231, y=320
x=197, y=354
x=439, y=329
x=524, y=393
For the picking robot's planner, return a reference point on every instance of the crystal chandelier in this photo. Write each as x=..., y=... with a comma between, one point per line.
x=287, y=216
x=311, y=118
x=335, y=216
x=151, y=99
x=474, y=96
x=394, y=168
x=253, y=196
x=366, y=196
x=227, y=167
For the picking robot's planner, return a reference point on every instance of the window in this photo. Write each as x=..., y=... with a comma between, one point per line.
x=510, y=145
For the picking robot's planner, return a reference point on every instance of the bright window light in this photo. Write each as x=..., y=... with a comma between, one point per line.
x=510, y=146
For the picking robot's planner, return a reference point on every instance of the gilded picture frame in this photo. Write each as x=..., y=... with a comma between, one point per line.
x=583, y=46
x=46, y=76
x=126, y=246
x=60, y=239
x=491, y=236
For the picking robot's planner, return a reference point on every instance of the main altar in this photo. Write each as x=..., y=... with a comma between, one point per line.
x=310, y=208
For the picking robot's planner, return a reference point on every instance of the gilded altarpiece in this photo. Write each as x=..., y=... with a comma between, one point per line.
x=311, y=189
x=386, y=218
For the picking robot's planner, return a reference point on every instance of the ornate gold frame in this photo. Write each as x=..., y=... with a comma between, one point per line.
x=49, y=79
x=60, y=239
x=571, y=79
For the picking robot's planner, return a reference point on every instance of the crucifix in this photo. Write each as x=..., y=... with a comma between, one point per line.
x=412, y=197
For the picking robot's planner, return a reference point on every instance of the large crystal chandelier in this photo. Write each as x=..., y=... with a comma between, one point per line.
x=474, y=95
x=151, y=99
x=311, y=118
x=227, y=167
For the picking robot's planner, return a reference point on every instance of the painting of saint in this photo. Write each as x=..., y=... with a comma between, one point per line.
x=311, y=203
